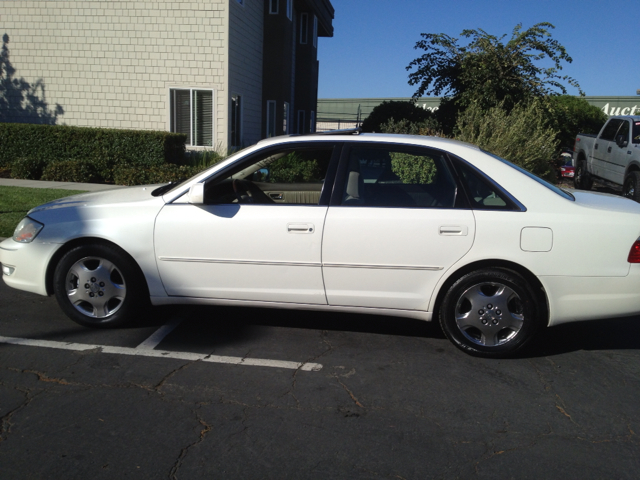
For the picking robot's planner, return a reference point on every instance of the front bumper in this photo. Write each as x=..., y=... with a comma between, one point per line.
x=29, y=263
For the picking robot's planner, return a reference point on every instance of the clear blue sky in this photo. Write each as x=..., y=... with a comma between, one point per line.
x=373, y=41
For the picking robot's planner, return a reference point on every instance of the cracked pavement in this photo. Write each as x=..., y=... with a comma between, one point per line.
x=393, y=400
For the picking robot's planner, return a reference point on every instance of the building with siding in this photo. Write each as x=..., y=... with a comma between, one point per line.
x=225, y=72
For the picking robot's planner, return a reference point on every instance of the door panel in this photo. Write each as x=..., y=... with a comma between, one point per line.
x=621, y=155
x=396, y=223
x=391, y=257
x=244, y=252
x=603, y=150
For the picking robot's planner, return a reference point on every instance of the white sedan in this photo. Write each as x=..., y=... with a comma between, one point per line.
x=405, y=226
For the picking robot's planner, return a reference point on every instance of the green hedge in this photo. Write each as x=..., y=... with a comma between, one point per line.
x=107, y=149
x=160, y=174
x=81, y=171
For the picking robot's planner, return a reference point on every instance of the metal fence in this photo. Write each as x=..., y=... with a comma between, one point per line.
x=326, y=126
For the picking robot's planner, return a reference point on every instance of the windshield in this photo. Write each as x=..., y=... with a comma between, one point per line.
x=563, y=193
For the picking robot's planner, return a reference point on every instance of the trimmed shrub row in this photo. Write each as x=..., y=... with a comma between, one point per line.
x=29, y=149
x=164, y=173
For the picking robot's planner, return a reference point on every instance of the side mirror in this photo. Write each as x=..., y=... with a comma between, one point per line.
x=260, y=176
x=621, y=141
x=196, y=194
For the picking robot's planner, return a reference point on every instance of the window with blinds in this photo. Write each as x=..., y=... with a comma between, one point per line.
x=192, y=114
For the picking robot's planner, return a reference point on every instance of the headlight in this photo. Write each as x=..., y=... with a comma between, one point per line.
x=27, y=230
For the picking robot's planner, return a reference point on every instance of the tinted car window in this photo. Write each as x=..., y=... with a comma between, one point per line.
x=636, y=132
x=288, y=176
x=394, y=176
x=610, y=129
x=623, y=130
x=482, y=194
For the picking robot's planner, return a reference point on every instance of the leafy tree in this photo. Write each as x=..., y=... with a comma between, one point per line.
x=572, y=115
x=487, y=71
x=522, y=136
x=427, y=127
x=386, y=111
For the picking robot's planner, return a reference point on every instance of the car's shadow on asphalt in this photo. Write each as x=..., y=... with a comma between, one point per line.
x=231, y=325
x=228, y=325
x=595, y=335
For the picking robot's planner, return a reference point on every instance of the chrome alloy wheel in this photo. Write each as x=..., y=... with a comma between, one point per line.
x=489, y=314
x=95, y=287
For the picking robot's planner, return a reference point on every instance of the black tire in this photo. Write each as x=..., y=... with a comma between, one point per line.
x=99, y=286
x=490, y=313
x=631, y=187
x=582, y=179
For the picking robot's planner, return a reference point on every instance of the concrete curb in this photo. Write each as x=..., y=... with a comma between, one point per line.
x=90, y=187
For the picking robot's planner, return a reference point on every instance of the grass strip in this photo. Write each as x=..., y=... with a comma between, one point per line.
x=15, y=202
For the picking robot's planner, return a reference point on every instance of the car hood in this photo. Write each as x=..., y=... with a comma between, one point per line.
x=113, y=196
x=605, y=201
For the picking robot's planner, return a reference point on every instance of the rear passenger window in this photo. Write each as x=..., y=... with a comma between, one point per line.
x=482, y=194
x=398, y=177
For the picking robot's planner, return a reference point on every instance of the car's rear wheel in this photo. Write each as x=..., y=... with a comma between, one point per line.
x=98, y=286
x=631, y=187
x=582, y=179
x=490, y=313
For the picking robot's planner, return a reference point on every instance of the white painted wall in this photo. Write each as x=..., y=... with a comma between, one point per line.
x=111, y=63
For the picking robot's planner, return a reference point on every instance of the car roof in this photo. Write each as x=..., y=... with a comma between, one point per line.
x=343, y=136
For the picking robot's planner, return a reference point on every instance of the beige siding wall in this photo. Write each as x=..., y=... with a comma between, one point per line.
x=245, y=64
x=111, y=63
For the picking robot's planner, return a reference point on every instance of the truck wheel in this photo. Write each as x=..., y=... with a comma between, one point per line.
x=631, y=188
x=582, y=179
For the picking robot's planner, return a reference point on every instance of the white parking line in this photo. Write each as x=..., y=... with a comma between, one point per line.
x=156, y=337
x=147, y=352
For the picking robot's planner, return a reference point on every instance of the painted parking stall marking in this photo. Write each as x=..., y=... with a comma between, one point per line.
x=154, y=340
x=150, y=352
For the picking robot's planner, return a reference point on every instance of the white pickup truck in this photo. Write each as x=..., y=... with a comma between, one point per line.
x=613, y=155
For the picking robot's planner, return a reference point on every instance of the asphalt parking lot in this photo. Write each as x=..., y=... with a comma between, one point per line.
x=251, y=393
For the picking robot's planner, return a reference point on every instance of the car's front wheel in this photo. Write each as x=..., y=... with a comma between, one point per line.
x=490, y=313
x=98, y=286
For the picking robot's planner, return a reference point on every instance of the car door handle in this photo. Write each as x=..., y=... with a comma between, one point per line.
x=276, y=196
x=300, y=227
x=609, y=150
x=454, y=230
